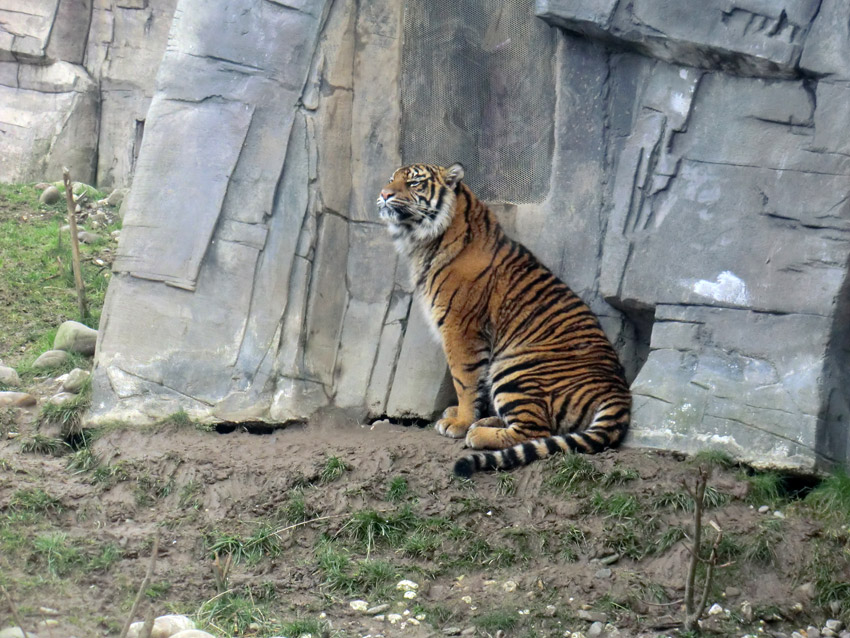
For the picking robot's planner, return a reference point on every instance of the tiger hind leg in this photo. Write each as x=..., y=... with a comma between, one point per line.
x=523, y=422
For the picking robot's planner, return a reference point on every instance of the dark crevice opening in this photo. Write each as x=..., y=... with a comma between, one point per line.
x=406, y=421
x=252, y=427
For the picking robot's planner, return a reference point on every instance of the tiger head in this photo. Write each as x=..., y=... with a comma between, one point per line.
x=419, y=200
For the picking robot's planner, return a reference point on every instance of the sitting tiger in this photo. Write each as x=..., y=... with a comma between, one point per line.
x=518, y=341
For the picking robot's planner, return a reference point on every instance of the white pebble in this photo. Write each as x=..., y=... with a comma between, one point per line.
x=410, y=595
x=764, y=509
x=778, y=514
x=466, y=599
x=509, y=586
x=359, y=605
x=394, y=618
x=715, y=610
x=407, y=585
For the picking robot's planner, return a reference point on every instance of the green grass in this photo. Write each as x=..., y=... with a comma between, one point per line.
x=616, y=504
x=41, y=444
x=397, y=490
x=36, y=281
x=55, y=552
x=568, y=473
x=370, y=527
x=830, y=500
x=507, y=484
x=497, y=619
x=263, y=542
x=619, y=476
x=296, y=509
x=333, y=468
x=713, y=458
x=765, y=488
x=34, y=501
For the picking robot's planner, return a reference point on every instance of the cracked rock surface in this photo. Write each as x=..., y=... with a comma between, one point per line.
x=697, y=198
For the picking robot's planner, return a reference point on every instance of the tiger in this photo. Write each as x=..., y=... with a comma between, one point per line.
x=534, y=373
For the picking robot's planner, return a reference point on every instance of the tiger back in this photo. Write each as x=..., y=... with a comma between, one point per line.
x=533, y=371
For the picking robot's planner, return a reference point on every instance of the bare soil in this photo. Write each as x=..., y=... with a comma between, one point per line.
x=510, y=553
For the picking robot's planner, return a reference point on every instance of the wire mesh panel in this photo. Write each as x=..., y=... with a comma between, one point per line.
x=478, y=88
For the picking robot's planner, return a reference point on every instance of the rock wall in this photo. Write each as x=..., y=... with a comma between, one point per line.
x=76, y=80
x=695, y=193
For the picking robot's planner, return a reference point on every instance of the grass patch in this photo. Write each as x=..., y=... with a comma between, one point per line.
x=263, y=542
x=397, y=490
x=617, y=504
x=36, y=281
x=507, y=484
x=830, y=500
x=570, y=472
x=497, y=619
x=41, y=444
x=765, y=488
x=34, y=501
x=55, y=552
x=333, y=468
x=371, y=527
x=619, y=476
x=713, y=458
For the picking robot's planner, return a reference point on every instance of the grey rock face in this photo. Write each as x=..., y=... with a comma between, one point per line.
x=694, y=192
x=9, y=376
x=72, y=336
x=74, y=380
x=76, y=80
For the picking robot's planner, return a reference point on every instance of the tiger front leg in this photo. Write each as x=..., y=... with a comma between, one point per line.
x=467, y=358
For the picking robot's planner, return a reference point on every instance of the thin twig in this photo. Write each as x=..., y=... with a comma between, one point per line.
x=14, y=611
x=75, y=245
x=143, y=586
x=148, y=626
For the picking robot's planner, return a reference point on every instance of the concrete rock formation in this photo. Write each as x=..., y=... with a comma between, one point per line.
x=76, y=80
x=695, y=193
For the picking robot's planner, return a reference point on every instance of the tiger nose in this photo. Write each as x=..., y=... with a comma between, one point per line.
x=386, y=193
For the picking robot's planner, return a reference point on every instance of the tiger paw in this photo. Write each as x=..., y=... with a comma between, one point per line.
x=483, y=437
x=451, y=426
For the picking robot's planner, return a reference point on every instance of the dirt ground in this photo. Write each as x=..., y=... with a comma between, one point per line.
x=316, y=517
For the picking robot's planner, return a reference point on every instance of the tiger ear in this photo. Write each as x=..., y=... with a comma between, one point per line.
x=454, y=174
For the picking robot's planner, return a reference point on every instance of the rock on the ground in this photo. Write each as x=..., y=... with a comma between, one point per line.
x=49, y=195
x=191, y=633
x=15, y=632
x=73, y=336
x=50, y=359
x=16, y=399
x=167, y=626
x=8, y=376
x=61, y=398
x=74, y=380
x=116, y=197
x=359, y=605
x=86, y=237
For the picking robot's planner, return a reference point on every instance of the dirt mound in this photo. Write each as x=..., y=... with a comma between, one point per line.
x=305, y=520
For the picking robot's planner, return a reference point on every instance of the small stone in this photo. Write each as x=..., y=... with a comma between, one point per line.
x=732, y=592
x=764, y=509
x=609, y=560
x=467, y=632
x=86, y=237
x=410, y=595
x=747, y=611
x=550, y=611
x=49, y=195
x=14, y=632
x=797, y=634
x=812, y=632
x=394, y=618
x=115, y=234
x=596, y=630
x=61, y=398
x=466, y=599
x=797, y=608
x=377, y=609
x=826, y=633
x=834, y=625
x=9, y=377
x=413, y=621
x=509, y=586
x=835, y=607
x=73, y=336
x=380, y=617
x=715, y=610
x=590, y=616
x=611, y=631
x=16, y=399
x=605, y=572
x=807, y=590
x=117, y=196
x=778, y=514
x=359, y=605
x=75, y=380
x=167, y=626
x=50, y=359
x=406, y=585
x=448, y=631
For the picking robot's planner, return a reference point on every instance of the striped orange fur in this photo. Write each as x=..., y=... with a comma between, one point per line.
x=533, y=371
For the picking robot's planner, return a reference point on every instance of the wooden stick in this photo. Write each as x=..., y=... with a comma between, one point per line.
x=14, y=611
x=75, y=245
x=143, y=586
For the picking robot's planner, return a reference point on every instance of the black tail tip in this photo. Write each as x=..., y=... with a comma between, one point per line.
x=465, y=467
